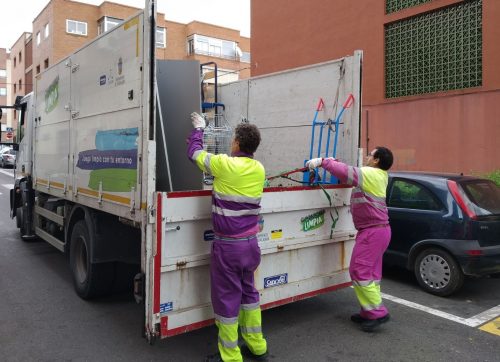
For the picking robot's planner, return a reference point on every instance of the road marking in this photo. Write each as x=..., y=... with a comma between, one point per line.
x=8, y=186
x=7, y=172
x=474, y=321
x=492, y=327
x=486, y=316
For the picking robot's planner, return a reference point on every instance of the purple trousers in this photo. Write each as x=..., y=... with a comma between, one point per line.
x=366, y=269
x=232, y=268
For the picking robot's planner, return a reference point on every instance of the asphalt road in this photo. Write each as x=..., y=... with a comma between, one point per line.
x=42, y=319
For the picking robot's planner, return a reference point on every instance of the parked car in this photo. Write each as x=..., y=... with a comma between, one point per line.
x=4, y=148
x=444, y=227
x=7, y=157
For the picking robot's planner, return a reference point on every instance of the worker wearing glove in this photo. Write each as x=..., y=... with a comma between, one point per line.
x=235, y=255
x=371, y=219
x=197, y=121
x=314, y=163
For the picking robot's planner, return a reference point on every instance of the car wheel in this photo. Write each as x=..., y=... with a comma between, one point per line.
x=437, y=272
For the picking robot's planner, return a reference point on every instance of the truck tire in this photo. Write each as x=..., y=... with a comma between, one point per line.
x=89, y=279
x=21, y=223
x=19, y=217
x=437, y=272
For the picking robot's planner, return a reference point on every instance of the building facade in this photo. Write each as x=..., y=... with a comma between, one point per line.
x=3, y=91
x=431, y=85
x=63, y=26
x=20, y=73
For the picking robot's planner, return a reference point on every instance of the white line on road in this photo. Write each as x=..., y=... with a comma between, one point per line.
x=8, y=186
x=7, y=172
x=485, y=316
x=474, y=321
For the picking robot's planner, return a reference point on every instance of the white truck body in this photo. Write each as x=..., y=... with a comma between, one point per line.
x=87, y=124
x=88, y=179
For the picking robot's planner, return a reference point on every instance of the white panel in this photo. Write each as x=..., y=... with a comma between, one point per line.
x=106, y=70
x=310, y=259
x=51, y=148
x=107, y=128
x=283, y=106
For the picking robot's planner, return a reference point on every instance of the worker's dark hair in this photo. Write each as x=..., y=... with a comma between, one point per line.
x=248, y=137
x=385, y=158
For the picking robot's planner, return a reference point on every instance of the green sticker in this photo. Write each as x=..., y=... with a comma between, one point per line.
x=313, y=221
x=52, y=96
x=113, y=179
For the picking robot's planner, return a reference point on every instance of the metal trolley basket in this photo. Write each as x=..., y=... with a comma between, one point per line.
x=217, y=138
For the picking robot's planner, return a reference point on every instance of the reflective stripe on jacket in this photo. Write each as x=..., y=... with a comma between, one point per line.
x=368, y=205
x=237, y=188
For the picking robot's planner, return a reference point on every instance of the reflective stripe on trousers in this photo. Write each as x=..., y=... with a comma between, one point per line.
x=228, y=339
x=250, y=322
x=366, y=270
x=234, y=297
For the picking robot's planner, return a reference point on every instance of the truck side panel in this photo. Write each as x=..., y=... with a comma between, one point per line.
x=52, y=129
x=89, y=139
x=299, y=259
x=283, y=106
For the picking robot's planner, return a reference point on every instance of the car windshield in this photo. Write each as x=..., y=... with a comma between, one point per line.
x=484, y=194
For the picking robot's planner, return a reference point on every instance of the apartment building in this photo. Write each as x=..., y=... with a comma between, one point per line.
x=20, y=73
x=64, y=26
x=3, y=90
x=431, y=84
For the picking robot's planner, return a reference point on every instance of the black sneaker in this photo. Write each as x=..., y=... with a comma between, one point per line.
x=245, y=351
x=369, y=325
x=213, y=358
x=356, y=318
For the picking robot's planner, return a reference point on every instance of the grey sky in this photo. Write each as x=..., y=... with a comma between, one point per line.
x=17, y=15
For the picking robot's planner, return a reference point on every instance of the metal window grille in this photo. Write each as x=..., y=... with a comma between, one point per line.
x=392, y=6
x=436, y=51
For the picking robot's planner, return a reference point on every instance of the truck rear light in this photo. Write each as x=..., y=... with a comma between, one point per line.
x=461, y=199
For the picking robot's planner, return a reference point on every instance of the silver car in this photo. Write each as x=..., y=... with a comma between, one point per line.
x=8, y=157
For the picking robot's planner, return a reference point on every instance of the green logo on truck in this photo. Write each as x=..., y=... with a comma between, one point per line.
x=52, y=96
x=313, y=221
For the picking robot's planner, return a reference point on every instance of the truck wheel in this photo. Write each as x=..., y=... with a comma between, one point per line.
x=19, y=217
x=21, y=223
x=437, y=272
x=90, y=279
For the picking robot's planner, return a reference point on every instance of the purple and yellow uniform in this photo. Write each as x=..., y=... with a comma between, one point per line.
x=237, y=191
x=371, y=219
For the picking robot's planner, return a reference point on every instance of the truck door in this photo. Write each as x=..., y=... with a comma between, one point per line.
x=106, y=124
x=52, y=115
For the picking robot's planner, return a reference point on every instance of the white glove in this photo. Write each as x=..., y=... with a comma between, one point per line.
x=314, y=162
x=197, y=120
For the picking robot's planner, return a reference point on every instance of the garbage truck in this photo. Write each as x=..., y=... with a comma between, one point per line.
x=102, y=174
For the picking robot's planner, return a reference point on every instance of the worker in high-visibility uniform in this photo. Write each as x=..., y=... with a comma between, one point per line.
x=237, y=190
x=371, y=219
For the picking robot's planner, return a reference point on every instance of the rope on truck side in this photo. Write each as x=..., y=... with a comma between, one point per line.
x=286, y=175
